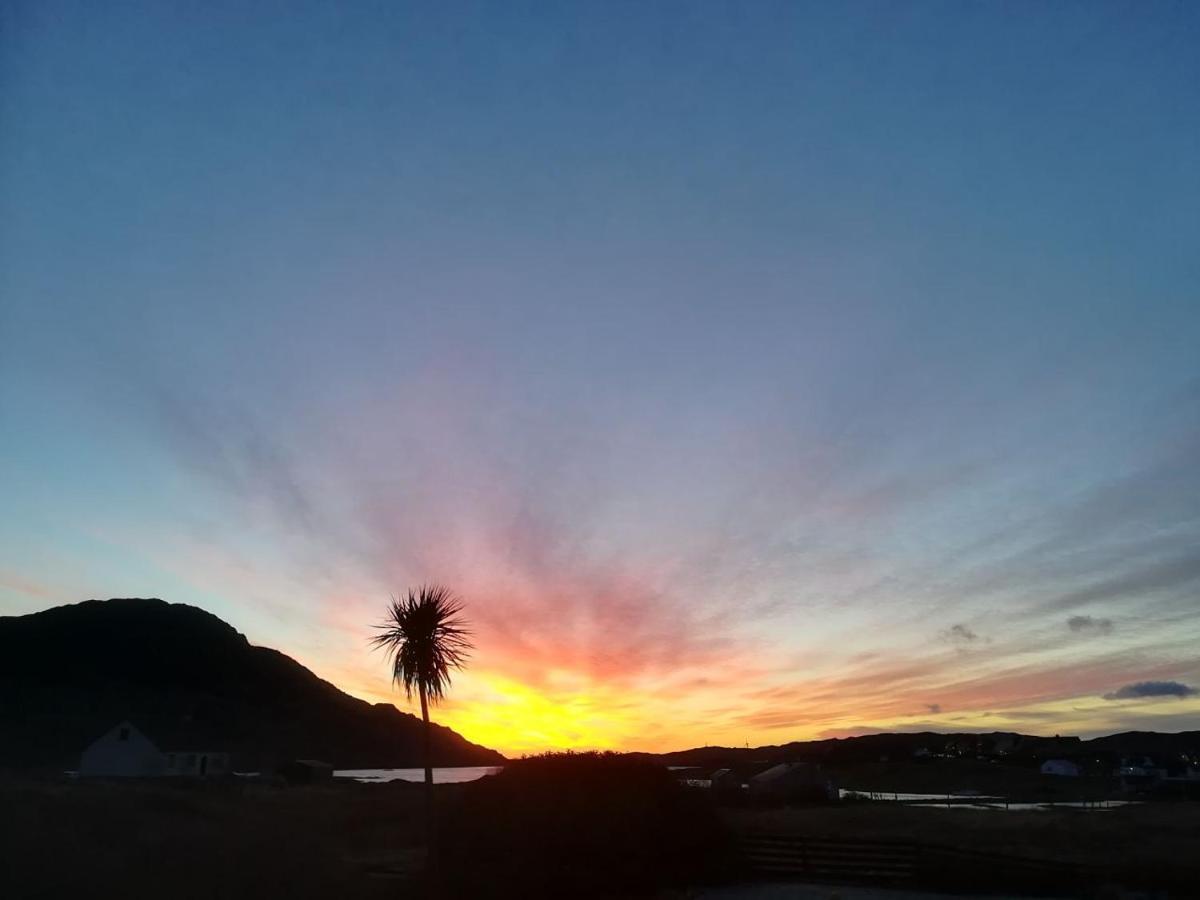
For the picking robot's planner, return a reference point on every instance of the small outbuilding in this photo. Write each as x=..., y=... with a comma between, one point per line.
x=793, y=781
x=306, y=771
x=726, y=781
x=1061, y=767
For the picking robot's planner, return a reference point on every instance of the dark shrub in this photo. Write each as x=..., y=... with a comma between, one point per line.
x=578, y=825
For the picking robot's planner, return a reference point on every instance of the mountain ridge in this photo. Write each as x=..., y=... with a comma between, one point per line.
x=187, y=677
x=70, y=672
x=870, y=747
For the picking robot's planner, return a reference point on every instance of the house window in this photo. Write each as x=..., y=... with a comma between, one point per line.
x=191, y=761
x=124, y=734
x=170, y=760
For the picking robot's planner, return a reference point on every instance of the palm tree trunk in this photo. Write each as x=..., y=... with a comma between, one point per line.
x=428, y=771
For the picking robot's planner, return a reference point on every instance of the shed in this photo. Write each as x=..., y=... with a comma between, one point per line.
x=306, y=771
x=793, y=781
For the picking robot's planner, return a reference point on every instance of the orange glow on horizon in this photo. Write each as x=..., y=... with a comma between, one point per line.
x=516, y=719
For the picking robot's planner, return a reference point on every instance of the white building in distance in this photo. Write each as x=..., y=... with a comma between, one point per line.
x=1060, y=767
x=125, y=752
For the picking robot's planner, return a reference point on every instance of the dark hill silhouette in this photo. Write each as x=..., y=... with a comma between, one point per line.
x=903, y=745
x=1148, y=742
x=186, y=677
x=862, y=748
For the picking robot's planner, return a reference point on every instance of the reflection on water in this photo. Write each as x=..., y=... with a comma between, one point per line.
x=446, y=775
x=844, y=793
x=1097, y=805
x=970, y=800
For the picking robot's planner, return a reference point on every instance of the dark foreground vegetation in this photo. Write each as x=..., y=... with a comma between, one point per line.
x=1151, y=847
x=580, y=825
x=558, y=826
x=567, y=825
x=204, y=840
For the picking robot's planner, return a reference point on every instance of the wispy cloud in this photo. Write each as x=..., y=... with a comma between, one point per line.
x=630, y=557
x=1162, y=575
x=959, y=634
x=11, y=581
x=1090, y=625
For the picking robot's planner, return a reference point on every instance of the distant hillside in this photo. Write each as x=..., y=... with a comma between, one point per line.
x=896, y=746
x=869, y=747
x=190, y=680
x=1147, y=742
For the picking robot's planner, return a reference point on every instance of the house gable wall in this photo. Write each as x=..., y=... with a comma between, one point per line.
x=122, y=752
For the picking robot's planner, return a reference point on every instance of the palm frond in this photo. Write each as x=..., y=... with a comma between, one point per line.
x=425, y=638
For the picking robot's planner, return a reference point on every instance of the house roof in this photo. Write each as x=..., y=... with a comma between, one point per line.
x=784, y=770
x=175, y=735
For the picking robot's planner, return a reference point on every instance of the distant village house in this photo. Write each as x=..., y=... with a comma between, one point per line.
x=1061, y=767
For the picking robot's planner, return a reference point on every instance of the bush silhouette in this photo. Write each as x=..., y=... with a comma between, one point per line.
x=578, y=825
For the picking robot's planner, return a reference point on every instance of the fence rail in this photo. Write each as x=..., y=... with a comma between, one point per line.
x=900, y=862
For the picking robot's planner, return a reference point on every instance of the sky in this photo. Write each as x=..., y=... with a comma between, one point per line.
x=754, y=372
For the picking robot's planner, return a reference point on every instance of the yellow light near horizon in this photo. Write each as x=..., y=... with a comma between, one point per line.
x=515, y=718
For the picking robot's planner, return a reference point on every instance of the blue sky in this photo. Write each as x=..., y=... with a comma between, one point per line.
x=754, y=371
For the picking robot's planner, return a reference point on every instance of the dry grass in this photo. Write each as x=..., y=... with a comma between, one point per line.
x=75, y=840
x=228, y=841
x=1146, y=843
x=579, y=825
x=596, y=822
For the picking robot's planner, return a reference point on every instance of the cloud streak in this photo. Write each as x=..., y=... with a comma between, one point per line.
x=959, y=634
x=583, y=587
x=1089, y=625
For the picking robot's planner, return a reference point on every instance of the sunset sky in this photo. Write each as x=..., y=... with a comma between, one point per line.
x=754, y=372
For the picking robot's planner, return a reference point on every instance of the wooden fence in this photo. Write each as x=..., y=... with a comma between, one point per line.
x=903, y=863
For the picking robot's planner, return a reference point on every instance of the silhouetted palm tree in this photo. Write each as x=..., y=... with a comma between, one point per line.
x=425, y=637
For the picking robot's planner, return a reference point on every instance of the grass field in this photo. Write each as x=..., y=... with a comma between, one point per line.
x=205, y=841
x=577, y=826
x=1152, y=843
x=75, y=839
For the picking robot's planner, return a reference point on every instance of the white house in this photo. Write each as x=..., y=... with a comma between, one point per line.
x=1060, y=767
x=122, y=752
x=125, y=752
